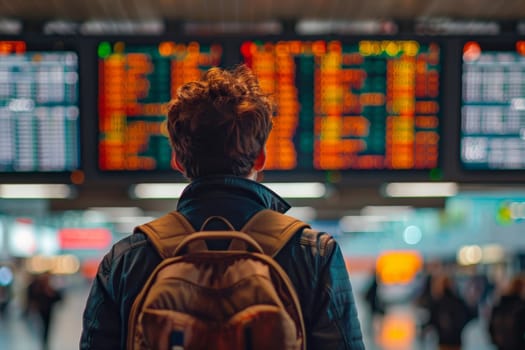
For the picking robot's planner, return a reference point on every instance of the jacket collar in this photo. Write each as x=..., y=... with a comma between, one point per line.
x=234, y=185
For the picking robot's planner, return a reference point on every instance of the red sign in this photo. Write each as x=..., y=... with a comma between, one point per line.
x=8, y=47
x=84, y=238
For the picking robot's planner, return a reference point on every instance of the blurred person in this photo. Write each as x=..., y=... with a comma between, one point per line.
x=41, y=300
x=507, y=318
x=218, y=127
x=375, y=304
x=422, y=296
x=449, y=313
x=6, y=289
x=5, y=298
x=377, y=307
x=478, y=292
x=422, y=300
x=423, y=293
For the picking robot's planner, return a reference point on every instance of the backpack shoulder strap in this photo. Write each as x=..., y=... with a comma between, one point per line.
x=166, y=232
x=272, y=230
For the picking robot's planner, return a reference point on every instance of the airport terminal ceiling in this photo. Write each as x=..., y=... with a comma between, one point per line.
x=260, y=10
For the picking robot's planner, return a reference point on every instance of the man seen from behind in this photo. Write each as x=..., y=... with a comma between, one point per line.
x=218, y=128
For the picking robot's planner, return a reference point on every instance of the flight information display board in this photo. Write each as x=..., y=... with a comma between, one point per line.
x=135, y=83
x=361, y=105
x=39, y=109
x=493, y=106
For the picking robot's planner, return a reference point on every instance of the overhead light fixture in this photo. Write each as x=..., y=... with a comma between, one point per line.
x=157, y=191
x=386, y=210
x=298, y=189
x=420, y=189
x=303, y=213
x=313, y=26
x=362, y=223
x=36, y=191
x=116, y=211
x=174, y=190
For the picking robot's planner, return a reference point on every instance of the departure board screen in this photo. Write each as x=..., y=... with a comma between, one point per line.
x=493, y=106
x=39, y=109
x=135, y=83
x=361, y=105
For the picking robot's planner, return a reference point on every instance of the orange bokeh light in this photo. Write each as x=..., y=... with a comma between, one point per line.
x=397, y=331
x=398, y=267
x=520, y=47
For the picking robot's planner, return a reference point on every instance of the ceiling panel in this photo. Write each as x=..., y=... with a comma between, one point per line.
x=255, y=10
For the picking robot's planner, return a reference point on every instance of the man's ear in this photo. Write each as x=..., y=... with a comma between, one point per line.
x=176, y=164
x=260, y=161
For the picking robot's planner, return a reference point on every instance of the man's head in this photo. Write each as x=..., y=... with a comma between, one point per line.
x=220, y=124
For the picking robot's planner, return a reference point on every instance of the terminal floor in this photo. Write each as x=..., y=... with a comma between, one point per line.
x=395, y=332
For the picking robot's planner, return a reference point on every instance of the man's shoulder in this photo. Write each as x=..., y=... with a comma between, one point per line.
x=129, y=244
x=129, y=253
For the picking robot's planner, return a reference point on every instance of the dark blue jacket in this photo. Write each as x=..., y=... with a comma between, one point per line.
x=314, y=263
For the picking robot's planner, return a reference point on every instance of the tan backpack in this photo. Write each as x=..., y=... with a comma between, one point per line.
x=239, y=298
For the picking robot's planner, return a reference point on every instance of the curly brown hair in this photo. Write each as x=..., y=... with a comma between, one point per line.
x=219, y=124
